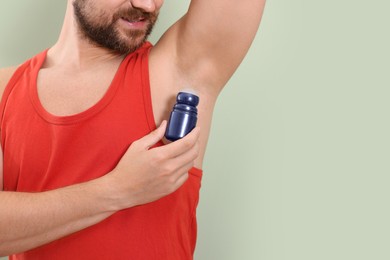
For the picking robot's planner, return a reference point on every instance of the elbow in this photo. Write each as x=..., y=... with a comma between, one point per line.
x=3, y=249
x=6, y=247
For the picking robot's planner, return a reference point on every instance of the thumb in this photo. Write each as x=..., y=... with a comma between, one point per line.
x=153, y=137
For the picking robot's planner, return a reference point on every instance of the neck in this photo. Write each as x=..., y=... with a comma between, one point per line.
x=74, y=51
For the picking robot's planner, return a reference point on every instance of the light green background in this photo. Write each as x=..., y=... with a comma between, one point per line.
x=298, y=162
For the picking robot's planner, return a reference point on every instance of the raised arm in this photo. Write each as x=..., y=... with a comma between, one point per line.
x=211, y=40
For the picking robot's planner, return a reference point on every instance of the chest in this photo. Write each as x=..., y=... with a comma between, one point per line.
x=39, y=145
x=65, y=93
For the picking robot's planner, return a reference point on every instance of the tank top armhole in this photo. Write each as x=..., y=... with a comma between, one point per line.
x=147, y=96
x=148, y=101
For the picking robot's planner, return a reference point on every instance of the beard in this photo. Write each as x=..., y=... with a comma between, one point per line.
x=101, y=30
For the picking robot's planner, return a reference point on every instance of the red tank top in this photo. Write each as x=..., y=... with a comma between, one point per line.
x=44, y=152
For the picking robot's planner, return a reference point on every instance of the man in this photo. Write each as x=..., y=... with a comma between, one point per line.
x=85, y=173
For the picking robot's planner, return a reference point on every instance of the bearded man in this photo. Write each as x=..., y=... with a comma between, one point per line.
x=85, y=172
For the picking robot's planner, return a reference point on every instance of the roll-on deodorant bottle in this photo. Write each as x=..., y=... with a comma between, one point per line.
x=183, y=116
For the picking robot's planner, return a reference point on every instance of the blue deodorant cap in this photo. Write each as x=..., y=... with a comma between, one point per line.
x=183, y=116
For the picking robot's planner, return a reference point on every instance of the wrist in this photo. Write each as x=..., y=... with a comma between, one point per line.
x=112, y=193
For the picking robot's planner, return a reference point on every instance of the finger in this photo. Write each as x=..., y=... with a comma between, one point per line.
x=153, y=137
x=184, y=162
x=182, y=173
x=187, y=157
x=181, y=146
x=182, y=179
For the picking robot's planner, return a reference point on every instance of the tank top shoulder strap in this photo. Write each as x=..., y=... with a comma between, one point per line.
x=137, y=85
x=19, y=72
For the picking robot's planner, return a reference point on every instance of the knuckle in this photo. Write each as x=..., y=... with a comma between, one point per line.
x=157, y=158
x=187, y=143
x=166, y=170
x=197, y=149
x=194, y=154
x=172, y=181
x=192, y=164
x=171, y=189
x=184, y=177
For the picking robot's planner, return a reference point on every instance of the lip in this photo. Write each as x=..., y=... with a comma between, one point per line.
x=136, y=24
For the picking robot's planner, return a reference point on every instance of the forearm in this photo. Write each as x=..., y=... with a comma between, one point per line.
x=29, y=220
x=143, y=175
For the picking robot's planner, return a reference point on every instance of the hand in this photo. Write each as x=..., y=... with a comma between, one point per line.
x=144, y=175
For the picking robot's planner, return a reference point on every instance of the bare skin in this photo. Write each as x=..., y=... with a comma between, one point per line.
x=200, y=51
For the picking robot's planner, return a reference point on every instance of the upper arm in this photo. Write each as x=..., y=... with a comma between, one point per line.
x=5, y=76
x=211, y=40
x=1, y=169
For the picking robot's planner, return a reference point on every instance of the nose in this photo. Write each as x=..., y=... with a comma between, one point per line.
x=146, y=5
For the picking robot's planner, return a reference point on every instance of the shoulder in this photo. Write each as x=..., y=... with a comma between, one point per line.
x=5, y=76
